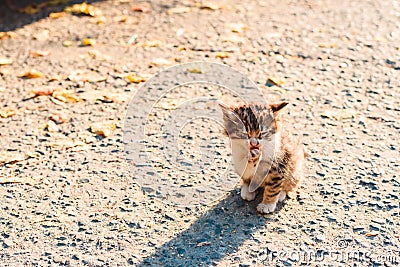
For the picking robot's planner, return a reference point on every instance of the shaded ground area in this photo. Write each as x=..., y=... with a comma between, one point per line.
x=68, y=198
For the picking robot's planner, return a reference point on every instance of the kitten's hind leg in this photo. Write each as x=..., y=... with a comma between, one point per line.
x=245, y=194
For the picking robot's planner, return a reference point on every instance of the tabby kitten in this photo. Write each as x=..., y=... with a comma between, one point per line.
x=264, y=155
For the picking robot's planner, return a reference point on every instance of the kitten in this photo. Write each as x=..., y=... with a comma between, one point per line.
x=264, y=155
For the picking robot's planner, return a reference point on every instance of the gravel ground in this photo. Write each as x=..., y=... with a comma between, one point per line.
x=68, y=198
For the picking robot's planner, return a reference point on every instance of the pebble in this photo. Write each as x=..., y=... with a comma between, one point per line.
x=320, y=238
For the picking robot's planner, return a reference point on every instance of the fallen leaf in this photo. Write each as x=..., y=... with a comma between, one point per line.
x=135, y=79
x=210, y=5
x=237, y=27
x=222, y=55
x=160, y=62
x=88, y=42
x=274, y=81
x=7, y=35
x=154, y=43
x=31, y=74
x=84, y=9
x=56, y=15
x=372, y=234
x=141, y=8
x=102, y=129
x=42, y=91
x=68, y=43
x=11, y=157
x=59, y=118
x=195, y=70
x=39, y=53
x=5, y=113
x=42, y=35
x=121, y=19
x=67, y=96
x=327, y=45
x=5, y=61
x=51, y=126
x=179, y=10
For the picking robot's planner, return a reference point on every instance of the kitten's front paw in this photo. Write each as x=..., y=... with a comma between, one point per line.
x=282, y=196
x=245, y=194
x=266, y=208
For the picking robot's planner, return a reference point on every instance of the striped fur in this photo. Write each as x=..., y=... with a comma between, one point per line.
x=287, y=156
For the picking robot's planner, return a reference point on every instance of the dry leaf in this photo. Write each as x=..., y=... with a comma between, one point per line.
x=42, y=91
x=372, y=234
x=5, y=61
x=275, y=81
x=67, y=96
x=5, y=113
x=154, y=43
x=237, y=27
x=210, y=5
x=135, y=79
x=42, y=35
x=11, y=157
x=179, y=10
x=325, y=45
x=56, y=15
x=51, y=126
x=88, y=42
x=32, y=9
x=222, y=55
x=195, y=70
x=7, y=35
x=39, y=53
x=141, y=8
x=31, y=74
x=160, y=62
x=59, y=118
x=84, y=9
x=103, y=129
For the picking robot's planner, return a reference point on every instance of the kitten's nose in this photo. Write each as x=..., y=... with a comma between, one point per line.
x=253, y=141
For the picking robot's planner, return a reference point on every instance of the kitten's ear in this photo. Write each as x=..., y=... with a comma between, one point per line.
x=276, y=108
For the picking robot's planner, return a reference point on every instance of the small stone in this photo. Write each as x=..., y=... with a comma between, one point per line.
x=320, y=238
x=375, y=227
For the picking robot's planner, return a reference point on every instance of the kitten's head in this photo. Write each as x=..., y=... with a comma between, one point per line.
x=254, y=122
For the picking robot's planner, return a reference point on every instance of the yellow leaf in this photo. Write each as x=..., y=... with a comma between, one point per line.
x=222, y=55
x=68, y=43
x=103, y=129
x=5, y=113
x=39, y=53
x=84, y=9
x=5, y=61
x=56, y=15
x=135, y=79
x=275, y=81
x=88, y=42
x=67, y=96
x=31, y=74
x=195, y=70
x=327, y=45
x=42, y=91
x=154, y=43
x=179, y=10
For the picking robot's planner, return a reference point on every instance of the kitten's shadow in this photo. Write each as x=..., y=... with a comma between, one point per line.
x=217, y=233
